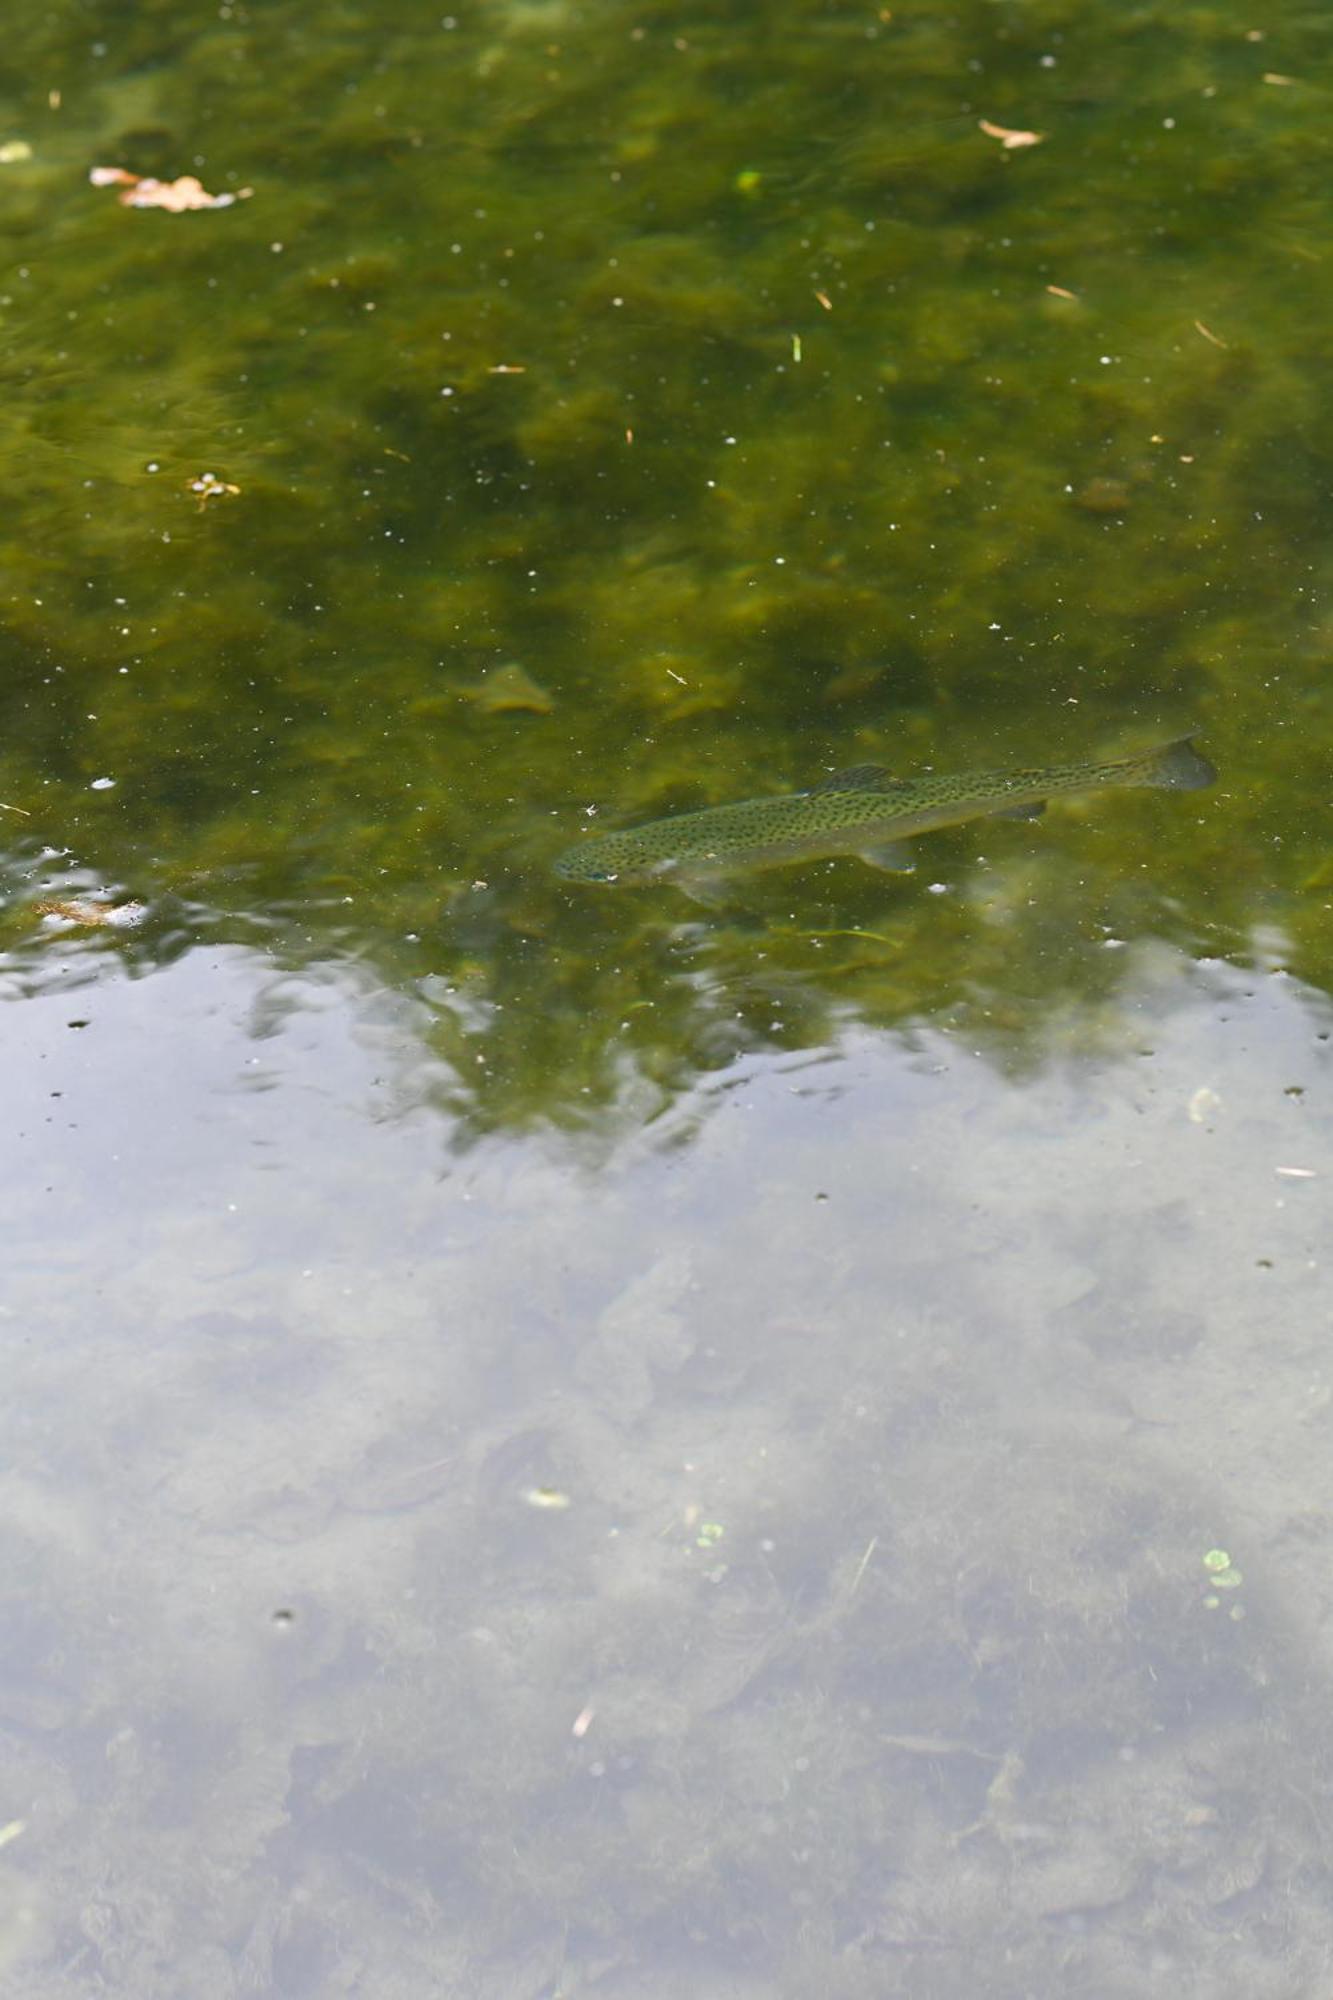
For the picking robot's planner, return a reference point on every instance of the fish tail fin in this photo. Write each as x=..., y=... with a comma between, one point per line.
x=1178, y=767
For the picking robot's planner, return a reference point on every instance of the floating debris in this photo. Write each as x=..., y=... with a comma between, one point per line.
x=14, y=151
x=90, y=915
x=863, y=1566
x=209, y=487
x=143, y=191
x=1222, y=1575
x=1008, y=138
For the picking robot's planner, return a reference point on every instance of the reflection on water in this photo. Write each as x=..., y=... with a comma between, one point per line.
x=561, y=1446
x=875, y=1649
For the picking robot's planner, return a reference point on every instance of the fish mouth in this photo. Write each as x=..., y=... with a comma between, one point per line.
x=577, y=867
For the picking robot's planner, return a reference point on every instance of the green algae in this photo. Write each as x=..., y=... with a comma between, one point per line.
x=500, y=357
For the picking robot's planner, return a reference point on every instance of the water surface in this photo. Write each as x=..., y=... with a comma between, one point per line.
x=564, y=1443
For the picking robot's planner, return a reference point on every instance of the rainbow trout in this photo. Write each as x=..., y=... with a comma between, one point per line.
x=861, y=811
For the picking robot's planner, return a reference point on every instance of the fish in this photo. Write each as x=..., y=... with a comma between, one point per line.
x=862, y=811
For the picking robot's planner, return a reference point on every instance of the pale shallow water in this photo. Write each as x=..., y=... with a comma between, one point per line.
x=895, y=1406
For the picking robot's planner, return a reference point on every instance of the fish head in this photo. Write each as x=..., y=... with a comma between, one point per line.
x=610, y=858
x=578, y=867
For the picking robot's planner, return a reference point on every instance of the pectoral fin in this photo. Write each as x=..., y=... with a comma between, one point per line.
x=890, y=855
x=1032, y=811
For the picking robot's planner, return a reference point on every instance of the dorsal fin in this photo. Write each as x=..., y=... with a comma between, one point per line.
x=858, y=778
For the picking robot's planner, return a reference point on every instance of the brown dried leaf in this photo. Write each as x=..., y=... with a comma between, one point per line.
x=177, y=196
x=90, y=915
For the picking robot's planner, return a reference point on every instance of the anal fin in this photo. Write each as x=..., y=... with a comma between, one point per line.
x=889, y=855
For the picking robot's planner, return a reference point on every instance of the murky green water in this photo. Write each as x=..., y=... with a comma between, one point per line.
x=559, y=1441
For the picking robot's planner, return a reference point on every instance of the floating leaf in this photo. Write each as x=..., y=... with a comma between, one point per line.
x=92, y=916
x=142, y=191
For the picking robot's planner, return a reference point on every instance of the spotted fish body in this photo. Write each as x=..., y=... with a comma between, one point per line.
x=861, y=811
